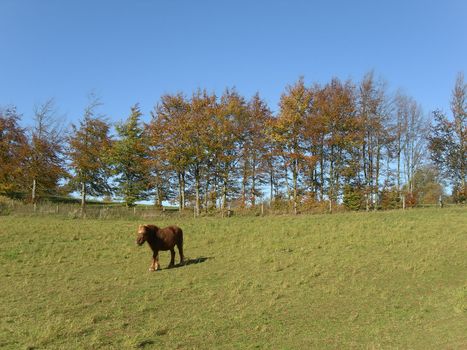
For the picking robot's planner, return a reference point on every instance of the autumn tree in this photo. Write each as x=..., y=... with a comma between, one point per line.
x=448, y=140
x=340, y=140
x=130, y=159
x=295, y=104
x=89, y=150
x=226, y=126
x=459, y=113
x=272, y=159
x=203, y=107
x=170, y=139
x=13, y=152
x=255, y=147
x=374, y=116
x=316, y=129
x=45, y=166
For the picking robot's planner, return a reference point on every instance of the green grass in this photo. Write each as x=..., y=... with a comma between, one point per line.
x=365, y=280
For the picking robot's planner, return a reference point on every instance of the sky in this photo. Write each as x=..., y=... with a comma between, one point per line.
x=131, y=52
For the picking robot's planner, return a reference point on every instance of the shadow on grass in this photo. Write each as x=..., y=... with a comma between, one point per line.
x=143, y=343
x=190, y=261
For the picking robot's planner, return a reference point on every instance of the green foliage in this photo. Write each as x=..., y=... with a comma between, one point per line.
x=353, y=197
x=89, y=148
x=355, y=280
x=427, y=185
x=390, y=199
x=6, y=205
x=448, y=139
x=130, y=160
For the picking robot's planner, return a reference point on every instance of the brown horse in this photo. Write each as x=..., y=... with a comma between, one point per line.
x=161, y=239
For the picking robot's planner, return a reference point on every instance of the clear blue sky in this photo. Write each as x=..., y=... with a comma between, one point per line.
x=134, y=51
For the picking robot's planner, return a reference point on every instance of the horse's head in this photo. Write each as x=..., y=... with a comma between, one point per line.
x=143, y=234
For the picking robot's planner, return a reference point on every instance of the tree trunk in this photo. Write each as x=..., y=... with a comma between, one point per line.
x=159, y=191
x=253, y=184
x=331, y=179
x=287, y=182
x=399, y=168
x=366, y=175
x=197, y=200
x=206, y=196
x=33, y=196
x=364, y=166
x=377, y=171
x=244, y=180
x=183, y=190
x=321, y=172
x=83, y=199
x=295, y=184
x=181, y=194
x=224, y=197
x=271, y=187
x=315, y=183
x=33, y=191
x=159, y=197
x=215, y=192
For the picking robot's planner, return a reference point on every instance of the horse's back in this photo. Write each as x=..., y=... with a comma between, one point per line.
x=178, y=234
x=170, y=236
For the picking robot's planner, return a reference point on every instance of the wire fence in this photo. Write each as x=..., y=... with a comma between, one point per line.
x=74, y=211
x=119, y=211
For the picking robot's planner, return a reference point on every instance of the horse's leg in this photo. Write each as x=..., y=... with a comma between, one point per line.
x=172, y=258
x=180, y=252
x=155, y=262
x=158, y=267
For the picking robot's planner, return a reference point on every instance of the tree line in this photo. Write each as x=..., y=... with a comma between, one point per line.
x=340, y=143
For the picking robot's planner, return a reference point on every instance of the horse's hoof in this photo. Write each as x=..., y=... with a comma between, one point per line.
x=151, y=269
x=170, y=266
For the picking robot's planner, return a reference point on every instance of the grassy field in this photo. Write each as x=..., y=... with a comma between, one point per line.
x=358, y=280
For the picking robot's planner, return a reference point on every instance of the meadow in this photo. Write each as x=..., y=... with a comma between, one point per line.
x=395, y=279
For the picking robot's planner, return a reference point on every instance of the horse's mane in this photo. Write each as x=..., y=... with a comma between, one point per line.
x=152, y=229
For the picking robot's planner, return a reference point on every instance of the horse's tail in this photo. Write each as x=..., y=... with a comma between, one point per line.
x=180, y=245
x=180, y=237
